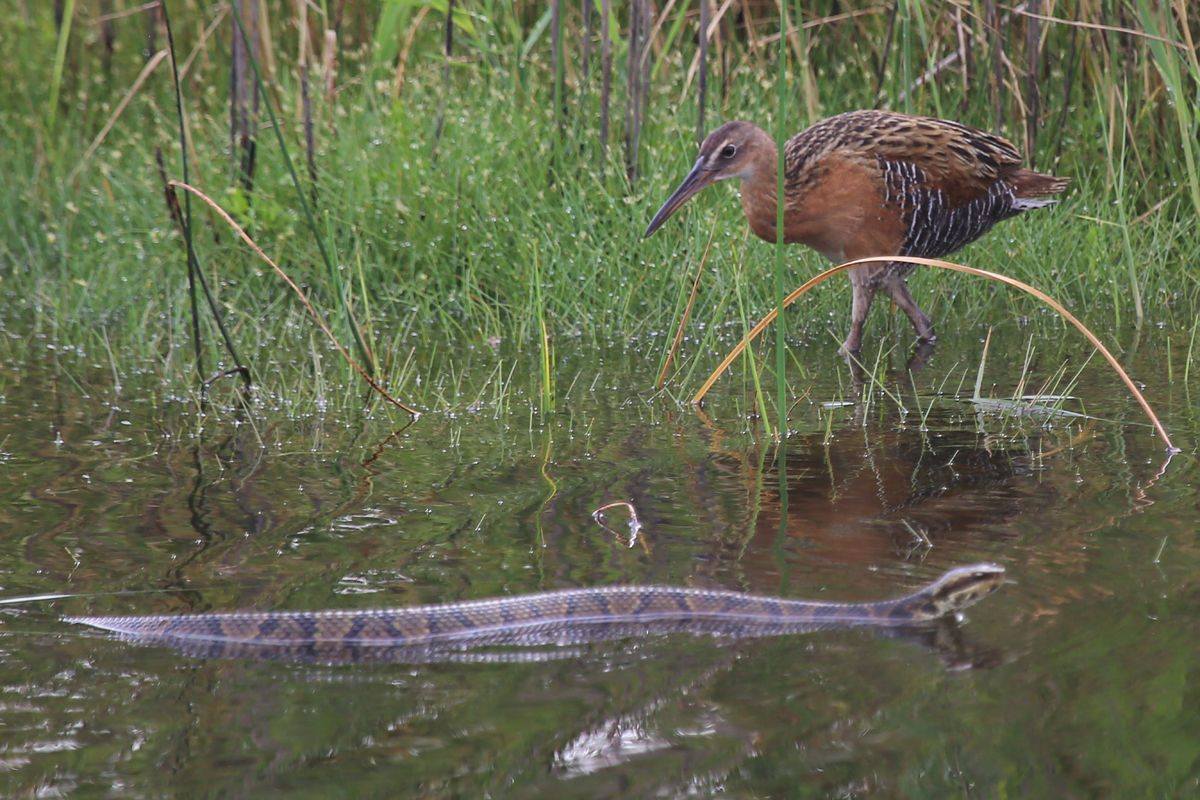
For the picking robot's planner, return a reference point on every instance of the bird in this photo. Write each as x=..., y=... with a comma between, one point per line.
x=872, y=183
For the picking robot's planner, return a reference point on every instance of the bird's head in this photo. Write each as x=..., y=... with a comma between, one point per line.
x=733, y=150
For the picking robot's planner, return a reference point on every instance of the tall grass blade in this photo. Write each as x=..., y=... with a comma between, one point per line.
x=1066, y=99
x=780, y=207
x=441, y=117
x=1167, y=61
x=687, y=309
x=60, y=58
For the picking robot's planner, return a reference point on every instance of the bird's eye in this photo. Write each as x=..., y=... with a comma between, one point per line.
x=728, y=151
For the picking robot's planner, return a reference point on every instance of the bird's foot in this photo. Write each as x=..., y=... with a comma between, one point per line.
x=921, y=355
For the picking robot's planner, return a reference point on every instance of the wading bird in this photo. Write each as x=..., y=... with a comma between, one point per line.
x=872, y=183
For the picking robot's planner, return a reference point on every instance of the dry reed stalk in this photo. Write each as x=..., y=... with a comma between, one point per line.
x=756, y=51
x=299, y=293
x=687, y=310
x=151, y=65
x=963, y=34
x=1186, y=47
x=793, y=34
x=771, y=38
x=930, y=74
x=109, y=17
x=933, y=262
x=303, y=45
x=329, y=68
x=266, y=46
x=202, y=42
x=402, y=65
x=657, y=29
x=712, y=28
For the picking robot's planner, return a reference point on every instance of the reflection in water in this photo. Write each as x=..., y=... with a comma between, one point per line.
x=867, y=496
x=1075, y=678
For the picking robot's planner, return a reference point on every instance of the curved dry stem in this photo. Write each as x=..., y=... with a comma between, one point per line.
x=932, y=262
x=303, y=299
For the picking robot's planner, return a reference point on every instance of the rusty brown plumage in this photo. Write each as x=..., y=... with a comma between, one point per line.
x=872, y=183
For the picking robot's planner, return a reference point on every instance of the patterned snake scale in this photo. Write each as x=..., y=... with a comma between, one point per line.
x=570, y=617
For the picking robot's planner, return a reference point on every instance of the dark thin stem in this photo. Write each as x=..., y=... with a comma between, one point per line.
x=437, y=133
x=309, y=144
x=187, y=205
x=605, y=75
x=585, y=55
x=195, y=274
x=631, y=88
x=243, y=114
x=1066, y=103
x=334, y=282
x=887, y=49
x=645, y=61
x=556, y=64
x=994, y=23
x=702, y=83
x=1033, y=99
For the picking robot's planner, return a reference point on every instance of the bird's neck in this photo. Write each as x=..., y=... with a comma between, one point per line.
x=760, y=186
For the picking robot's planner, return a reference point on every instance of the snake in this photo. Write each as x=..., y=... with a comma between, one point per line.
x=564, y=617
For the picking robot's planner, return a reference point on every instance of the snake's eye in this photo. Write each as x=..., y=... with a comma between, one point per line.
x=728, y=152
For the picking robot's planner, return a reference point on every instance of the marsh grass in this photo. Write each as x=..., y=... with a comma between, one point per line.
x=427, y=259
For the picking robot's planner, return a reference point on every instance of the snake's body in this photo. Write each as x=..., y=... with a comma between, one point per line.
x=551, y=618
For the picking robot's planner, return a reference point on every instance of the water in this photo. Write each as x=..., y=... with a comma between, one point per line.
x=1075, y=680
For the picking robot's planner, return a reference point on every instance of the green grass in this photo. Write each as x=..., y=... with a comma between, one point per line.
x=500, y=238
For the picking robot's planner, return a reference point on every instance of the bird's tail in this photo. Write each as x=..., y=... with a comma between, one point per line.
x=1027, y=184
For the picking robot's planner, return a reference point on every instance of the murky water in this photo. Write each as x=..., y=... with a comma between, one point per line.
x=1078, y=679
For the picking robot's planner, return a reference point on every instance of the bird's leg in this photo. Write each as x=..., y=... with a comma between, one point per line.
x=864, y=288
x=898, y=288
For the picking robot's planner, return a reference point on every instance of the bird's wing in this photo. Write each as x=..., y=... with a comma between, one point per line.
x=962, y=162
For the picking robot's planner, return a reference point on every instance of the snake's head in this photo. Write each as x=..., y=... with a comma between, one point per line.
x=965, y=586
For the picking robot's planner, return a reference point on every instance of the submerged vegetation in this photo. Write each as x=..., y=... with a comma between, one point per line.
x=487, y=183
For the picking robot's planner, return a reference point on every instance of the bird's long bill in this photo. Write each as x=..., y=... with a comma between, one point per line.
x=696, y=180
